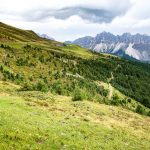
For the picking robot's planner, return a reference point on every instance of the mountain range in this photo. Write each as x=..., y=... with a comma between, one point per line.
x=126, y=45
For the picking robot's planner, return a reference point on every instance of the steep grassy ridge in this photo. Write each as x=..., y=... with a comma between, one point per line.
x=14, y=34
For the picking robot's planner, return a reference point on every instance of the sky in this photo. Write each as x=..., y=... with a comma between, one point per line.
x=70, y=19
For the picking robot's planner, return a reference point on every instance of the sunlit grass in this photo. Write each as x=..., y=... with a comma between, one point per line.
x=27, y=123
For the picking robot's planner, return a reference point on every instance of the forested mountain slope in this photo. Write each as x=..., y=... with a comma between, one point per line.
x=44, y=65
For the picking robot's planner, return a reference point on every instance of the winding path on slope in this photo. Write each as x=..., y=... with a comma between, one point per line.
x=110, y=88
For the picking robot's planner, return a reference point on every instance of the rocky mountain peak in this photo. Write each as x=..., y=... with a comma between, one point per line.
x=135, y=46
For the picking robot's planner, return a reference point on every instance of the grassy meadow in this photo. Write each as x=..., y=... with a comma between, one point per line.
x=36, y=120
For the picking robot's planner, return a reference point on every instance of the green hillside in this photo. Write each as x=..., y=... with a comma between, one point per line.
x=48, y=88
x=37, y=120
x=9, y=33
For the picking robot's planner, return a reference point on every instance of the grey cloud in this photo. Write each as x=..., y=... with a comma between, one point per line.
x=89, y=14
x=92, y=15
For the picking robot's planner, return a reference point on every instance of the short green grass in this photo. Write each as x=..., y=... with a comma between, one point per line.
x=79, y=51
x=36, y=120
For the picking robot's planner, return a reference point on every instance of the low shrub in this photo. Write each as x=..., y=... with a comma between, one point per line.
x=78, y=95
x=140, y=110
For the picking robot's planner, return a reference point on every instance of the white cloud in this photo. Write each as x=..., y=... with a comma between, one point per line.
x=129, y=16
x=21, y=6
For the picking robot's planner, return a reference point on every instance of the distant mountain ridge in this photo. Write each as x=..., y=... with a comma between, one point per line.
x=45, y=36
x=126, y=45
